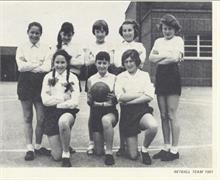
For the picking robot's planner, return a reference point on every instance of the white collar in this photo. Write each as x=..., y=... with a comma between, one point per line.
x=61, y=75
x=129, y=75
x=37, y=45
x=106, y=75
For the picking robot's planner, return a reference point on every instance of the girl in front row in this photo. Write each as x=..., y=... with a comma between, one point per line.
x=167, y=52
x=60, y=95
x=104, y=115
x=129, y=30
x=33, y=63
x=134, y=91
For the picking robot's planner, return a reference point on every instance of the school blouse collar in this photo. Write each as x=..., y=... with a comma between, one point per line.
x=68, y=44
x=106, y=75
x=61, y=75
x=125, y=42
x=37, y=45
x=129, y=75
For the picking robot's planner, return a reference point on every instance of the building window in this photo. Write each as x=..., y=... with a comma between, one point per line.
x=198, y=46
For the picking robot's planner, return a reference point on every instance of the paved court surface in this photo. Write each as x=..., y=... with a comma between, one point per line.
x=194, y=113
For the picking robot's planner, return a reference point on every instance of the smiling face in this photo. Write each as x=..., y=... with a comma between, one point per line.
x=34, y=34
x=66, y=37
x=128, y=32
x=100, y=35
x=60, y=64
x=168, y=31
x=102, y=66
x=130, y=65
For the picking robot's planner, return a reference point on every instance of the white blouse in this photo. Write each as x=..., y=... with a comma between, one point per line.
x=108, y=78
x=138, y=83
x=169, y=47
x=54, y=95
x=124, y=46
x=94, y=48
x=34, y=58
x=74, y=50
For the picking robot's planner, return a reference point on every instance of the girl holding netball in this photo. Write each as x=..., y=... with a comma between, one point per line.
x=167, y=52
x=100, y=30
x=134, y=91
x=33, y=62
x=129, y=31
x=103, y=115
x=60, y=95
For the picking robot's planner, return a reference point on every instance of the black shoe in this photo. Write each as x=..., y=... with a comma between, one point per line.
x=66, y=162
x=71, y=150
x=29, y=156
x=109, y=159
x=43, y=151
x=146, y=158
x=121, y=152
x=160, y=154
x=170, y=156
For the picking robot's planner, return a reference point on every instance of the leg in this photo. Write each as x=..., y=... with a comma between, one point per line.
x=56, y=147
x=27, y=108
x=162, y=103
x=132, y=143
x=40, y=120
x=108, y=122
x=172, y=105
x=28, y=116
x=65, y=123
x=149, y=124
x=90, y=149
x=99, y=143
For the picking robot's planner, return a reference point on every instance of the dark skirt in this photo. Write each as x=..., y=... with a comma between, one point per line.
x=168, y=81
x=130, y=118
x=52, y=115
x=29, y=86
x=96, y=116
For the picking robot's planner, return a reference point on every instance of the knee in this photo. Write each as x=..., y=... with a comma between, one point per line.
x=164, y=116
x=28, y=118
x=106, y=122
x=63, y=124
x=171, y=115
x=154, y=127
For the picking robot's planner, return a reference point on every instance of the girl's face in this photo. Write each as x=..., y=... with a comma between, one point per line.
x=168, y=31
x=66, y=37
x=60, y=64
x=102, y=66
x=34, y=34
x=128, y=32
x=130, y=65
x=100, y=35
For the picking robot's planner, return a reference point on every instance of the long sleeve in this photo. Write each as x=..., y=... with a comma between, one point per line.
x=73, y=102
x=23, y=63
x=46, y=94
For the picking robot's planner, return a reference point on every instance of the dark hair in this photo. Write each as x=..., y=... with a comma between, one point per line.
x=67, y=58
x=66, y=27
x=35, y=24
x=170, y=20
x=133, y=54
x=100, y=25
x=135, y=26
x=102, y=55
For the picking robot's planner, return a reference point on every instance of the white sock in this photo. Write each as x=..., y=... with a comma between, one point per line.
x=166, y=147
x=66, y=154
x=37, y=146
x=144, y=149
x=30, y=147
x=174, y=149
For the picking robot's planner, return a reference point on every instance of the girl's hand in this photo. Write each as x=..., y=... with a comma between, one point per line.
x=112, y=98
x=67, y=96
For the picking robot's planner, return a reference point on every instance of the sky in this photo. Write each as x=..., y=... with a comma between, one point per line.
x=15, y=17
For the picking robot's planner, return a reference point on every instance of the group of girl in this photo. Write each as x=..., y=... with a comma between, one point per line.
x=48, y=80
